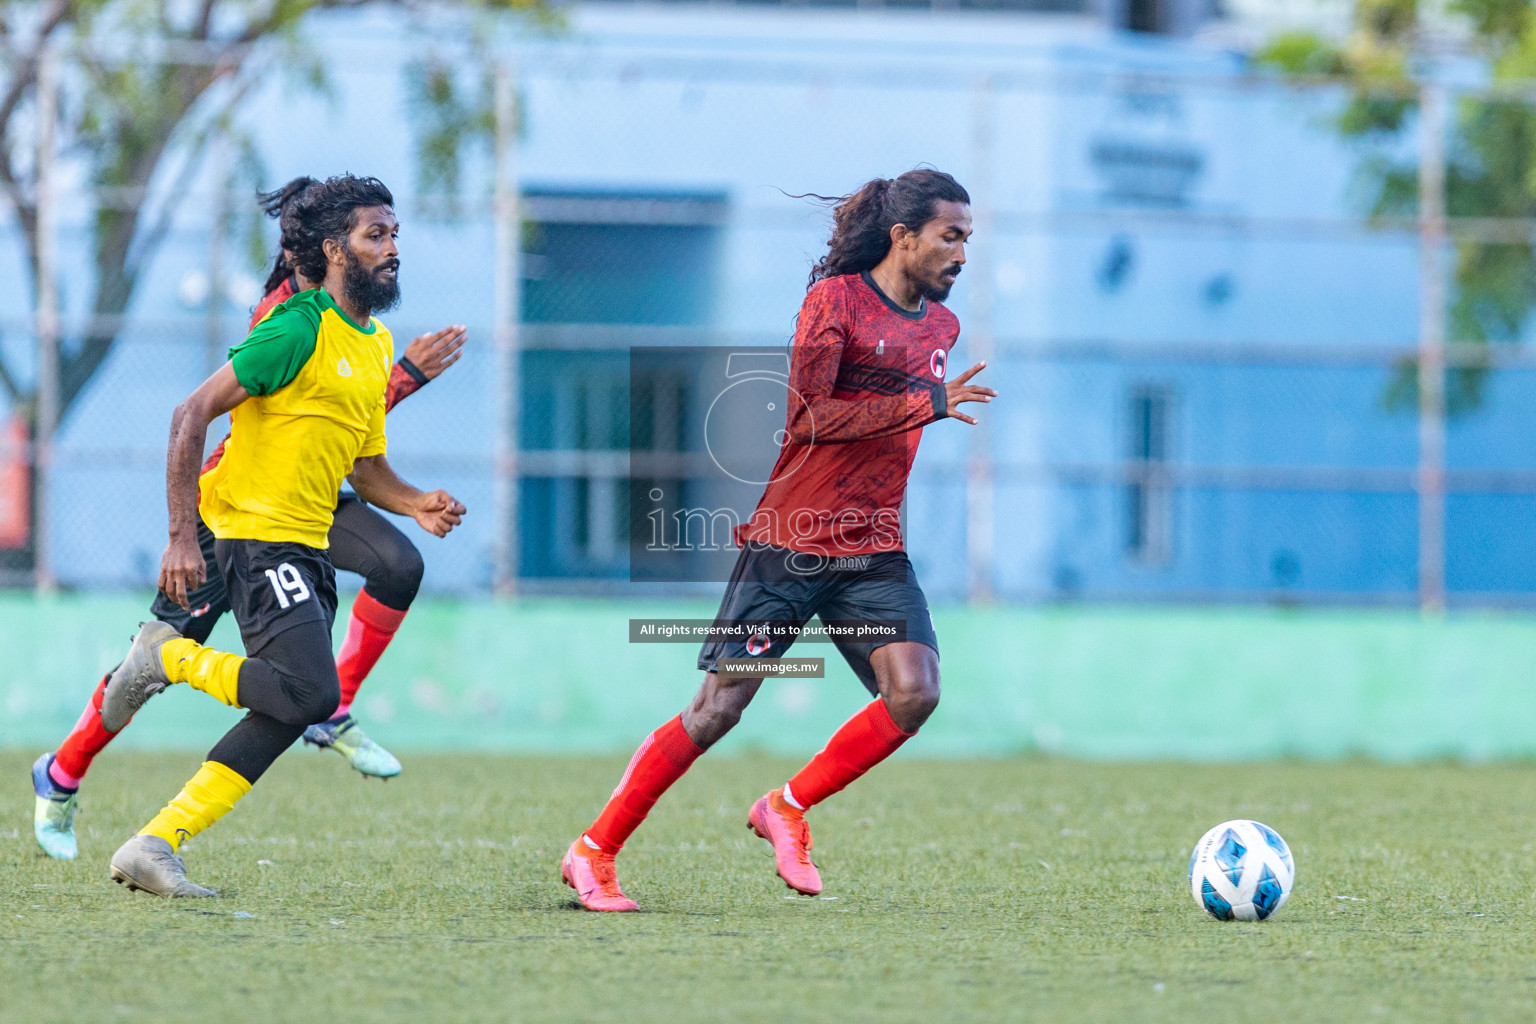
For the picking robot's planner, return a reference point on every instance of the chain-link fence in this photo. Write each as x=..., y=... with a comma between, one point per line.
x=1209, y=363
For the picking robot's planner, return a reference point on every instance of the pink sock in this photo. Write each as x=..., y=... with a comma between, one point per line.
x=865, y=740
x=369, y=630
x=661, y=760
x=61, y=778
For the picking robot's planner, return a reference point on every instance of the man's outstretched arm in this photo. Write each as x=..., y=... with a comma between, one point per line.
x=181, y=567
x=815, y=417
x=424, y=359
x=376, y=482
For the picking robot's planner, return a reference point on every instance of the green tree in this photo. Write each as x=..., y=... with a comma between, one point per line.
x=1490, y=151
x=145, y=88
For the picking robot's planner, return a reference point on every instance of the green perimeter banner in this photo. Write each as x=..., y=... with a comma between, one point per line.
x=562, y=675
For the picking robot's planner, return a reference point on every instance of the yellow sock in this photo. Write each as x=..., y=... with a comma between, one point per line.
x=210, y=795
x=215, y=672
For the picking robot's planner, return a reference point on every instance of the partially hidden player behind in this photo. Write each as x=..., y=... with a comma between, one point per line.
x=306, y=397
x=868, y=363
x=362, y=541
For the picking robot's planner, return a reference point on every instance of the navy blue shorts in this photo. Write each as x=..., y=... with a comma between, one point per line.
x=774, y=586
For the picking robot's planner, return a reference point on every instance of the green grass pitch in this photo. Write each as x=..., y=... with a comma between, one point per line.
x=1020, y=889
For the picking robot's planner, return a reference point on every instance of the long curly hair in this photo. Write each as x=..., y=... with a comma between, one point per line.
x=328, y=209
x=278, y=204
x=862, y=222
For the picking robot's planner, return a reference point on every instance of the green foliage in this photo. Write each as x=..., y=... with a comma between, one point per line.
x=142, y=127
x=1372, y=115
x=1500, y=22
x=451, y=92
x=453, y=123
x=1464, y=387
x=1303, y=54
x=1491, y=161
x=1392, y=20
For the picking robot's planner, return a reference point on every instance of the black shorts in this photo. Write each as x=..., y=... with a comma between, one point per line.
x=275, y=586
x=211, y=600
x=772, y=584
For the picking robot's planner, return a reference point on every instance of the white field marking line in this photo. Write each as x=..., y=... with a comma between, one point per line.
x=1355, y=899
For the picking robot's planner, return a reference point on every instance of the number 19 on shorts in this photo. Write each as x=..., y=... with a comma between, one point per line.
x=288, y=585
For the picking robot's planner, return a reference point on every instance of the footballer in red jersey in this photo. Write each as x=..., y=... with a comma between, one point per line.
x=361, y=541
x=867, y=373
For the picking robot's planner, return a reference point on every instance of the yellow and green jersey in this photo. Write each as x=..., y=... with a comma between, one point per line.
x=317, y=383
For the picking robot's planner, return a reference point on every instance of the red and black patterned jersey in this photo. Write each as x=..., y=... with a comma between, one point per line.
x=404, y=377
x=274, y=298
x=865, y=377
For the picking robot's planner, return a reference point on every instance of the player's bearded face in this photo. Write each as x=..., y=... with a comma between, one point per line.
x=376, y=288
x=941, y=249
x=936, y=288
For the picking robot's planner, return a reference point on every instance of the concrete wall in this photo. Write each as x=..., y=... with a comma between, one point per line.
x=1111, y=683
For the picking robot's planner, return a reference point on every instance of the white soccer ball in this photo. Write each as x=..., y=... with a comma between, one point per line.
x=1241, y=870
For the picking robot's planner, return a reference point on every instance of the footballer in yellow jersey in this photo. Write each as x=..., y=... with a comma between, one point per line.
x=316, y=382
x=306, y=394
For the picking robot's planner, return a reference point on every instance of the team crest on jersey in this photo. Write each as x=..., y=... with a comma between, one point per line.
x=343, y=368
x=936, y=363
x=757, y=644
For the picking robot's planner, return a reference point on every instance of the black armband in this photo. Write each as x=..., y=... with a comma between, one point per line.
x=940, y=401
x=414, y=370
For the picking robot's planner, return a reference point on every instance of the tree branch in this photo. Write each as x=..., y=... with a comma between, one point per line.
x=285, y=14
x=135, y=133
x=8, y=381
x=26, y=77
x=56, y=15
x=204, y=21
x=123, y=254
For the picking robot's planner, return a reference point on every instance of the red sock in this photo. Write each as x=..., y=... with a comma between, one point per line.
x=88, y=738
x=865, y=740
x=369, y=630
x=661, y=760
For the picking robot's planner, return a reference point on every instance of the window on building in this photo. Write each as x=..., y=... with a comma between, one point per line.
x=620, y=258
x=1149, y=496
x=603, y=271
x=575, y=502
x=1163, y=17
x=1144, y=16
